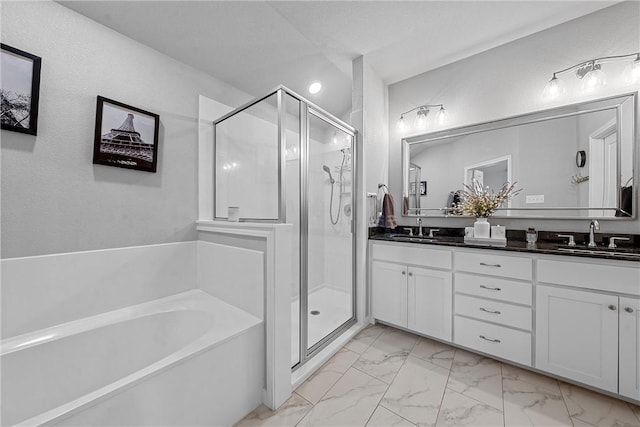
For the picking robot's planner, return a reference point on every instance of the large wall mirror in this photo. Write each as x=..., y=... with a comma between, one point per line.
x=570, y=162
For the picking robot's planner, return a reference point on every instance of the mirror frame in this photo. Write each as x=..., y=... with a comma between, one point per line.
x=569, y=110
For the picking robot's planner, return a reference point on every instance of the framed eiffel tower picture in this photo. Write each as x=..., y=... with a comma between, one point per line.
x=125, y=136
x=20, y=90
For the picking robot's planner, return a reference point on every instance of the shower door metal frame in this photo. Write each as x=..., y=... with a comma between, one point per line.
x=306, y=110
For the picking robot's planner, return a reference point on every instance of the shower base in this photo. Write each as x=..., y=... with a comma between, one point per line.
x=333, y=307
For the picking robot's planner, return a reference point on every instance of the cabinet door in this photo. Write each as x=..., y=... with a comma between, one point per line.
x=577, y=335
x=630, y=348
x=429, y=301
x=389, y=292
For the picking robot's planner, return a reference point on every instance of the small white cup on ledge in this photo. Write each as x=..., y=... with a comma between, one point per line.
x=233, y=213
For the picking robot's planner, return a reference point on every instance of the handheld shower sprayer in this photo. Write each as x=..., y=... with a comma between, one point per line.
x=326, y=169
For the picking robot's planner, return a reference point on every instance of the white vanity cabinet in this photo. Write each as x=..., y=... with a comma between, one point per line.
x=411, y=287
x=587, y=328
x=575, y=317
x=577, y=335
x=493, y=296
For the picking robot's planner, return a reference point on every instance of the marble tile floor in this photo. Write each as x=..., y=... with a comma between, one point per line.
x=388, y=377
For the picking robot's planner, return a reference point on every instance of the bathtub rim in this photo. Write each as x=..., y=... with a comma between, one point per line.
x=197, y=347
x=161, y=305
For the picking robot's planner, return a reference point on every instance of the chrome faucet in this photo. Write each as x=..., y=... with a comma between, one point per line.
x=433, y=230
x=419, y=221
x=593, y=226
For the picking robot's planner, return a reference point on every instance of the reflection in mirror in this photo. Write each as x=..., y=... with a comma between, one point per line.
x=538, y=151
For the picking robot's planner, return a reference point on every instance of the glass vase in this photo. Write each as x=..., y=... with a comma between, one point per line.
x=481, y=228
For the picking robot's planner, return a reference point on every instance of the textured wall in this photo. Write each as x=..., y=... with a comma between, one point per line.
x=53, y=198
x=508, y=80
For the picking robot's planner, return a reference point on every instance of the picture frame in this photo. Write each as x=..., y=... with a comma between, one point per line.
x=423, y=188
x=125, y=136
x=20, y=91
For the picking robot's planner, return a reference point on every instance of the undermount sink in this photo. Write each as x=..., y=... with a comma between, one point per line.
x=407, y=238
x=600, y=251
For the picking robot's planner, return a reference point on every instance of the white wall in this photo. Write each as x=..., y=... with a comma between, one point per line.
x=53, y=198
x=508, y=80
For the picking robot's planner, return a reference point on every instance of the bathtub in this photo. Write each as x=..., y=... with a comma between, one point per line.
x=187, y=359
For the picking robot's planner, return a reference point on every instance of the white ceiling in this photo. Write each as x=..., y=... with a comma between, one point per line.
x=256, y=45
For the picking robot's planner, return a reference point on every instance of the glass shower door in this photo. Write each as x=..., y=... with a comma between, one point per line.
x=329, y=257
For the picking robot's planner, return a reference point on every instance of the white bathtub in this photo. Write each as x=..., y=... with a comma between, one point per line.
x=187, y=359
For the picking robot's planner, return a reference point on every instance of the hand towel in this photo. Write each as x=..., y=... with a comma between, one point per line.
x=388, y=218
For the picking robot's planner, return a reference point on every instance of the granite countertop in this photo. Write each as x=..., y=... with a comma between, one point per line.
x=548, y=242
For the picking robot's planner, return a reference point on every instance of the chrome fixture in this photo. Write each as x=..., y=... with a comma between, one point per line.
x=593, y=226
x=433, y=230
x=345, y=152
x=571, y=242
x=591, y=74
x=612, y=241
x=419, y=222
x=410, y=230
x=421, y=117
x=328, y=171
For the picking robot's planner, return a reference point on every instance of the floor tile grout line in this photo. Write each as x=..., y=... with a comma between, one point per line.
x=565, y=403
x=446, y=386
x=395, y=413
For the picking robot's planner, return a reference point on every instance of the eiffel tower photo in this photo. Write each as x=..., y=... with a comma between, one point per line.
x=125, y=146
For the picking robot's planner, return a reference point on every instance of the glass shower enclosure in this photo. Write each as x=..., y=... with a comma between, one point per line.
x=282, y=159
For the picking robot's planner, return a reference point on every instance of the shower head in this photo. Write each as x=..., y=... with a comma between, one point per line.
x=326, y=169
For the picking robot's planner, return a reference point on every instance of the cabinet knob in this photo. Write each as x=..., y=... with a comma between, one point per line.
x=628, y=309
x=612, y=307
x=410, y=274
x=404, y=272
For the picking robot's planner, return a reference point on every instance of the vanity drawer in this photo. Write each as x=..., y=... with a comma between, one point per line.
x=499, y=312
x=622, y=277
x=496, y=265
x=493, y=287
x=412, y=254
x=499, y=341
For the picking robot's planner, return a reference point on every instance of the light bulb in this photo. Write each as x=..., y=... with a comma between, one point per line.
x=442, y=116
x=554, y=89
x=315, y=87
x=402, y=126
x=632, y=72
x=593, y=80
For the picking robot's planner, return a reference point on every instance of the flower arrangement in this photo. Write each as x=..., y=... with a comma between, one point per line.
x=480, y=202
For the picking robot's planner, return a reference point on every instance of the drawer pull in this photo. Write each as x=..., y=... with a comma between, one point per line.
x=628, y=309
x=489, y=339
x=484, y=264
x=490, y=289
x=489, y=311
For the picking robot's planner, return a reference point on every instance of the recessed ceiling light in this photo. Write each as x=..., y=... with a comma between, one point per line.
x=315, y=87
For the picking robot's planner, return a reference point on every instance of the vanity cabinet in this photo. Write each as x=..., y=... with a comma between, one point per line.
x=589, y=330
x=493, y=304
x=577, y=335
x=578, y=318
x=413, y=296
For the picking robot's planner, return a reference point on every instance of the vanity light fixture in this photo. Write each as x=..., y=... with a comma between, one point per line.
x=421, y=117
x=591, y=75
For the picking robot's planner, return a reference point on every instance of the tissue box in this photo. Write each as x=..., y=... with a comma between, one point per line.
x=498, y=232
